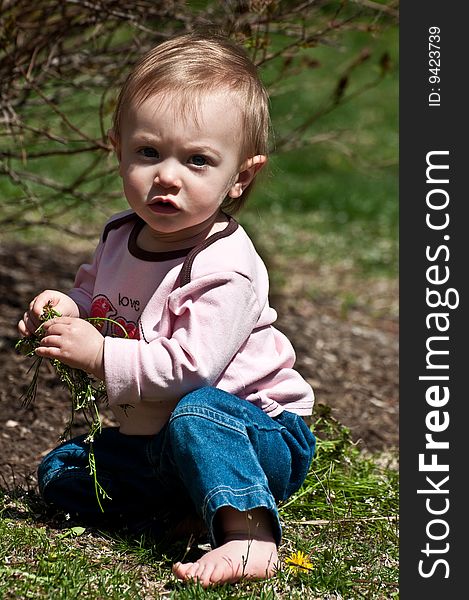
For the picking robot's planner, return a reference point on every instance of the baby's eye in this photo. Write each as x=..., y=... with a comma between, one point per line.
x=149, y=152
x=198, y=160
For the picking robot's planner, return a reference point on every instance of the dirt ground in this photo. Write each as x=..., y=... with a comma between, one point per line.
x=350, y=360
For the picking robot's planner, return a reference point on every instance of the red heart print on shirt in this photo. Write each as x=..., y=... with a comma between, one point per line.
x=102, y=308
x=130, y=327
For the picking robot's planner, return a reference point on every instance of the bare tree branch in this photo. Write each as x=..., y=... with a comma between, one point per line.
x=63, y=61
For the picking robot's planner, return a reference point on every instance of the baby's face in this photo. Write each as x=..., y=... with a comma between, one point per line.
x=177, y=170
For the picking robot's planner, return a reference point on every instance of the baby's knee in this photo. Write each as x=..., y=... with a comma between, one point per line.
x=59, y=464
x=203, y=416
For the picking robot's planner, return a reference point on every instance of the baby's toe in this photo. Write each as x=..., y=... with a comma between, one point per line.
x=181, y=569
x=222, y=573
x=205, y=576
x=194, y=571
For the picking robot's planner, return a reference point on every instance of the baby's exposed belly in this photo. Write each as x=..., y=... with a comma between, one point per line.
x=145, y=418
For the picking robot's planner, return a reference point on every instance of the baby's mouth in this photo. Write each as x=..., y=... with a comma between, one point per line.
x=163, y=207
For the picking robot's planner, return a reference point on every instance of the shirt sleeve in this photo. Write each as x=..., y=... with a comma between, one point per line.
x=83, y=287
x=211, y=317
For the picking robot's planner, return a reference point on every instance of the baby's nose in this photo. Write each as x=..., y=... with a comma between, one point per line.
x=167, y=175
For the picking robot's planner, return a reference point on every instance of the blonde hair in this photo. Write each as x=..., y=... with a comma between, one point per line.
x=192, y=65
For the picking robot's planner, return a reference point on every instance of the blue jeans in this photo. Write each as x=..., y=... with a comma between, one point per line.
x=216, y=450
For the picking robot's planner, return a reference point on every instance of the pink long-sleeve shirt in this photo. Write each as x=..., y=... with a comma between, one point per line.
x=192, y=319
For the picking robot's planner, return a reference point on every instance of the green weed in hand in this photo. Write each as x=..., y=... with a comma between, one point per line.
x=27, y=346
x=85, y=393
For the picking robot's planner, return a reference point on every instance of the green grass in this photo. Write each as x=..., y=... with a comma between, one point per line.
x=344, y=518
x=342, y=186
x=38, y=564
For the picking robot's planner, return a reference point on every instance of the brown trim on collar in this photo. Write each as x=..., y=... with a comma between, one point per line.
x=189, y=253
x=147, y=254
x=132, y=242
x=116, y=223
x=185, y=274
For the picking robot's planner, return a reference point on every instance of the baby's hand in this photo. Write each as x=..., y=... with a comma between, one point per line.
x=32, y=317
x=74, y=342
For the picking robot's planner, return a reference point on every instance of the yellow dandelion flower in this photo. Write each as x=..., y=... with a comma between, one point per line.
x=298, y=561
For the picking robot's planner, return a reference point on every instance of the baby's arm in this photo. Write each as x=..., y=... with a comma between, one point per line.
x=210, y=318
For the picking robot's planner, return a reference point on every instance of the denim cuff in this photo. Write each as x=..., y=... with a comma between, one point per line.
x=254, y=496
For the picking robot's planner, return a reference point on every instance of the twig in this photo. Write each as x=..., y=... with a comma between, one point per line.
x=64, y=118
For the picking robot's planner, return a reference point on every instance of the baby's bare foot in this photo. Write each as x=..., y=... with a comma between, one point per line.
x=231, y=562
x=248, y=550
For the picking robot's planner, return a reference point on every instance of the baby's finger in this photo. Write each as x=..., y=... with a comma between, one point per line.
x=39, y=302
x=55, y=322
x=30, y=323
x=46, y=328
x=23, y=330
x=36, y=306
x=51, y=340
x=34, y=314
x=49, y=352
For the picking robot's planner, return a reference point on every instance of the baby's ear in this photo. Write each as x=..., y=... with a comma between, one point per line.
x=115, y=143
x=248, y=170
